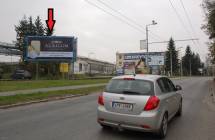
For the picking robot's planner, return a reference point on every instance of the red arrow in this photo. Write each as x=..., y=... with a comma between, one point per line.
x=50, y=22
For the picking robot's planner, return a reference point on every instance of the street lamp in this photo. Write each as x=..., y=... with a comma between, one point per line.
x=147, y=38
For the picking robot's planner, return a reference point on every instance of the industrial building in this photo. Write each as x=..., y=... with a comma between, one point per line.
x=85, y=65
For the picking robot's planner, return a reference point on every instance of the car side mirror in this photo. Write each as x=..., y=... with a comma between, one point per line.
x=178, y=87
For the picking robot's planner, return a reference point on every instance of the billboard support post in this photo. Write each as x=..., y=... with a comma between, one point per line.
x=62, y=75
x=73, y=67
x=37, y=70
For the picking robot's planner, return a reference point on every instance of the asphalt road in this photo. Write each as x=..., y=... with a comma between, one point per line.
x=75, y=119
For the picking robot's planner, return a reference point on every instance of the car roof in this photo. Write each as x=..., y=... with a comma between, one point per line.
x=148, y=77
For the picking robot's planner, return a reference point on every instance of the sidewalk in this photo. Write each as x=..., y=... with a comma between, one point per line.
x=31, y=91
x=209, y=98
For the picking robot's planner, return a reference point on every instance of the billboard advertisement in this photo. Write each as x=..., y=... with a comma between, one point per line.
x=129, y=67
x=46, y=48
x=154, y=58
x=130, y=62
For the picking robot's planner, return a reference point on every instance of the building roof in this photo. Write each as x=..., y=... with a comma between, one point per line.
x=141, y=52
x=97, y=60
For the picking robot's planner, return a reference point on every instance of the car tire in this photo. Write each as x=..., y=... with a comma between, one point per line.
x=163, y=128
x=105, y=126
x=179, y=112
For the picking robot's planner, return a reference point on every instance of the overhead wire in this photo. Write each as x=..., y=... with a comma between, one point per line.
x=137, y=26
x=181, y=20
x=140, y=27
x=118, y=18
x=124, y=16
x=188, y=19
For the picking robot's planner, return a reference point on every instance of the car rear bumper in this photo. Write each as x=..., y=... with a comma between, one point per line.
x=146, y=121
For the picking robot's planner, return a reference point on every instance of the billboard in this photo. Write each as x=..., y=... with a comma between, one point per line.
x=154, y=58
x=50, y=48
x=129, y=67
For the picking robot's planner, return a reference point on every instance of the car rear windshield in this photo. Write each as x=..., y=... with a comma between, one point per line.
x=131, y=87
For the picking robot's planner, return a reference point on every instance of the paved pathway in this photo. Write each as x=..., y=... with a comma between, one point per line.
x=30, y=91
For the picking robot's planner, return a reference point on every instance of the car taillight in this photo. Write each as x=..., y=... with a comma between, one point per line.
x=152, y=103
x=101, y=99
x=128, y=78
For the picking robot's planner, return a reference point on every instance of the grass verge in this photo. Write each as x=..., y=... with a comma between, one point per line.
x=22, y=85
x=21, y=98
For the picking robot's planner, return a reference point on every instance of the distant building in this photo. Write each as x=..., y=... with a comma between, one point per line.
x=85, y=65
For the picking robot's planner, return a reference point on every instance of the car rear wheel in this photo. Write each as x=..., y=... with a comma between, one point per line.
x=105, y=126
x=164, y=125
x=179, y=113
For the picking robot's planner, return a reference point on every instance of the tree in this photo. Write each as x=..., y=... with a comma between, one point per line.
x=186, y=59
x=31, y=29
x=40, y=31
x=171, y=58
x=27, y=27
x=191, y=62
x=209, y=26
x=21, y=31
x=209, y=8
x=47, y=32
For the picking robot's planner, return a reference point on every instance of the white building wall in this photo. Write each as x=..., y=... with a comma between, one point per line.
x=90, y=66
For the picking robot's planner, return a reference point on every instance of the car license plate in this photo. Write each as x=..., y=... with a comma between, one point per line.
x=124, y=106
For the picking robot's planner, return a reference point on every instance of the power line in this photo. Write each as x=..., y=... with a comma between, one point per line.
x=179, y=40
x=131, y=20
x=180, y=19
x=188, y=18
x=124, y=16
x=118, y=18
x=156, y=35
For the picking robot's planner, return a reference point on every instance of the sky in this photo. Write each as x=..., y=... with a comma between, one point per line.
x=101, y=35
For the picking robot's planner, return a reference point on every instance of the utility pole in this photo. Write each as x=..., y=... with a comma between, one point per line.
x=147, y=45
x=37, y=70
x=181, y=68
x=190, y=66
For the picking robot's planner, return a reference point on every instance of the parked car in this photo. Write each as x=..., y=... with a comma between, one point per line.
x=140, y=102
x=21, y=74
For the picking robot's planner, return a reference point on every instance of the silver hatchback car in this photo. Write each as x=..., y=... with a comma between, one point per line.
x=140, y=102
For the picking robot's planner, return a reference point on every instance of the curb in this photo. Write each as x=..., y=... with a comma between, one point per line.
x=41, y=101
